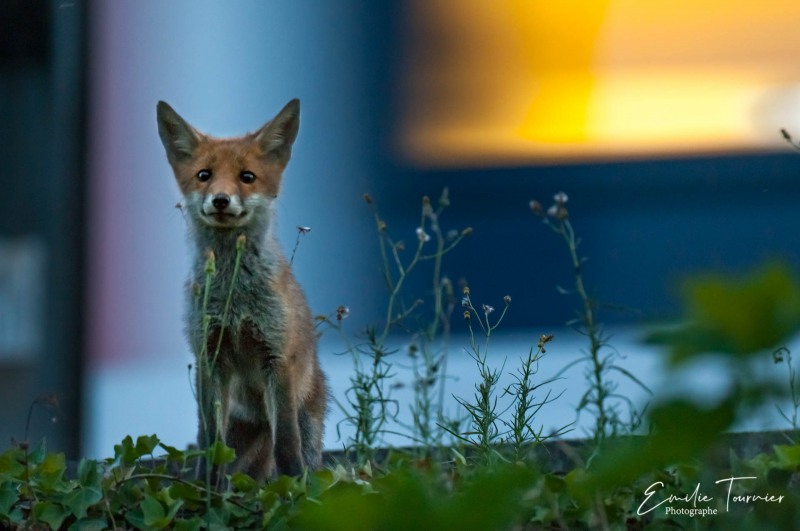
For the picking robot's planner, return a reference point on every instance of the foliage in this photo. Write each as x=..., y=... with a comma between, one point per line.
x=497, y=474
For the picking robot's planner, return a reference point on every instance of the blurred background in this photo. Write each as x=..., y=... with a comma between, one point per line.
x=660, y=120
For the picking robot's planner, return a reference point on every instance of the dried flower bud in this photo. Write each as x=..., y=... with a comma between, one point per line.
x=467, y=231
x=536, y=207
x=422, y=235
x=211, y=262
x=487, y=309
x=444, y=199
x=560, y=198
x=400, y=246
x=466, y=315
x=342, y=312
x=381, y=225
x=786, y=135
x=558, y=211
x=368, y=199
x=303, y=230
x=507, y=299
x=240, y=241
x=426, y=201
x=466, y=291
x=543, y=340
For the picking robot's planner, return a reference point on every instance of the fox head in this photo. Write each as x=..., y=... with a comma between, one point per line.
x=228, y=182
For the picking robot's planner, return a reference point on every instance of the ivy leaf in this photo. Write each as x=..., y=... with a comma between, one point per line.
x=36, y=455
x=50, y=513
x=88, y=473
x=219, y=454
x=8, y=497
x=243, y=483
x=125, y=452
x=145, y=444
x=153, y=512
x=51, y=472
x=11, y=464
x=80, y=499
x=173, y=454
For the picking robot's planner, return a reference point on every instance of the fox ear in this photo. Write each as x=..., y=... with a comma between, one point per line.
x=277, y=136
x=179, y=138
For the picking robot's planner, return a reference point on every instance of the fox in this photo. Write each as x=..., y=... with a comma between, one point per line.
x=261, y=391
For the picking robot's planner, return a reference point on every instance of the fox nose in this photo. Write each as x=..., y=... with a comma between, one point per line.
x=221, y=201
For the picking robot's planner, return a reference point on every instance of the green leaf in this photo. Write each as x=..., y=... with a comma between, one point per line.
x=283, y=486
x=739, y=316
x=182, y=491
x=50, y=513
x=152, y=512
x=788, y=456
x=11, y=464
x=37, y=453
x=51, y=472
x=145, y=444
x=125, y=452
x=79, y=500
x=8, y=497
x=173, y=454
x=681, y=431
x=194, y=524
x=243, y=483
x=319, y=482
x=89, y=473
x=219, y=454
x=94, y=524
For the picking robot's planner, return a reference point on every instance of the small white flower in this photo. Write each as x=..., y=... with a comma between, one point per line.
x=303, y=230
x=487, y=309
x=422, y=235
x=560, y=198
x=552, y=211
x=465, y=302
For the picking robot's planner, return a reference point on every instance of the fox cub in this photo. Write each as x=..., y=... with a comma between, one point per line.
x=264, y=393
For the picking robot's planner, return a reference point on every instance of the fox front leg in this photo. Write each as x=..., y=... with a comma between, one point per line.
x=288, y=454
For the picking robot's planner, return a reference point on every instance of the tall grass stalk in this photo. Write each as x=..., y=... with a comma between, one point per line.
x=483, y=432
x=600, y=397
x=369, y=407
x=206, y=363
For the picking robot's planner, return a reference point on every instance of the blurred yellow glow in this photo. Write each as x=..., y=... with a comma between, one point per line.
x=525, y=81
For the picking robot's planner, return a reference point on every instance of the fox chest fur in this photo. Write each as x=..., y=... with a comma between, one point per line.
x=235, y=314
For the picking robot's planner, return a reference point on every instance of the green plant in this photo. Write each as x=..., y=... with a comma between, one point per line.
x=368, y=409
x=778, y=356
x=627, y=482
x=600, y=398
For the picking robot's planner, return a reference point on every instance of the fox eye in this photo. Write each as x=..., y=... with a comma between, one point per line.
x=203, y=175
x=247, y=177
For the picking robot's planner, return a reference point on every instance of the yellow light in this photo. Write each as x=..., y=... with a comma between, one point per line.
x=537, y=80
